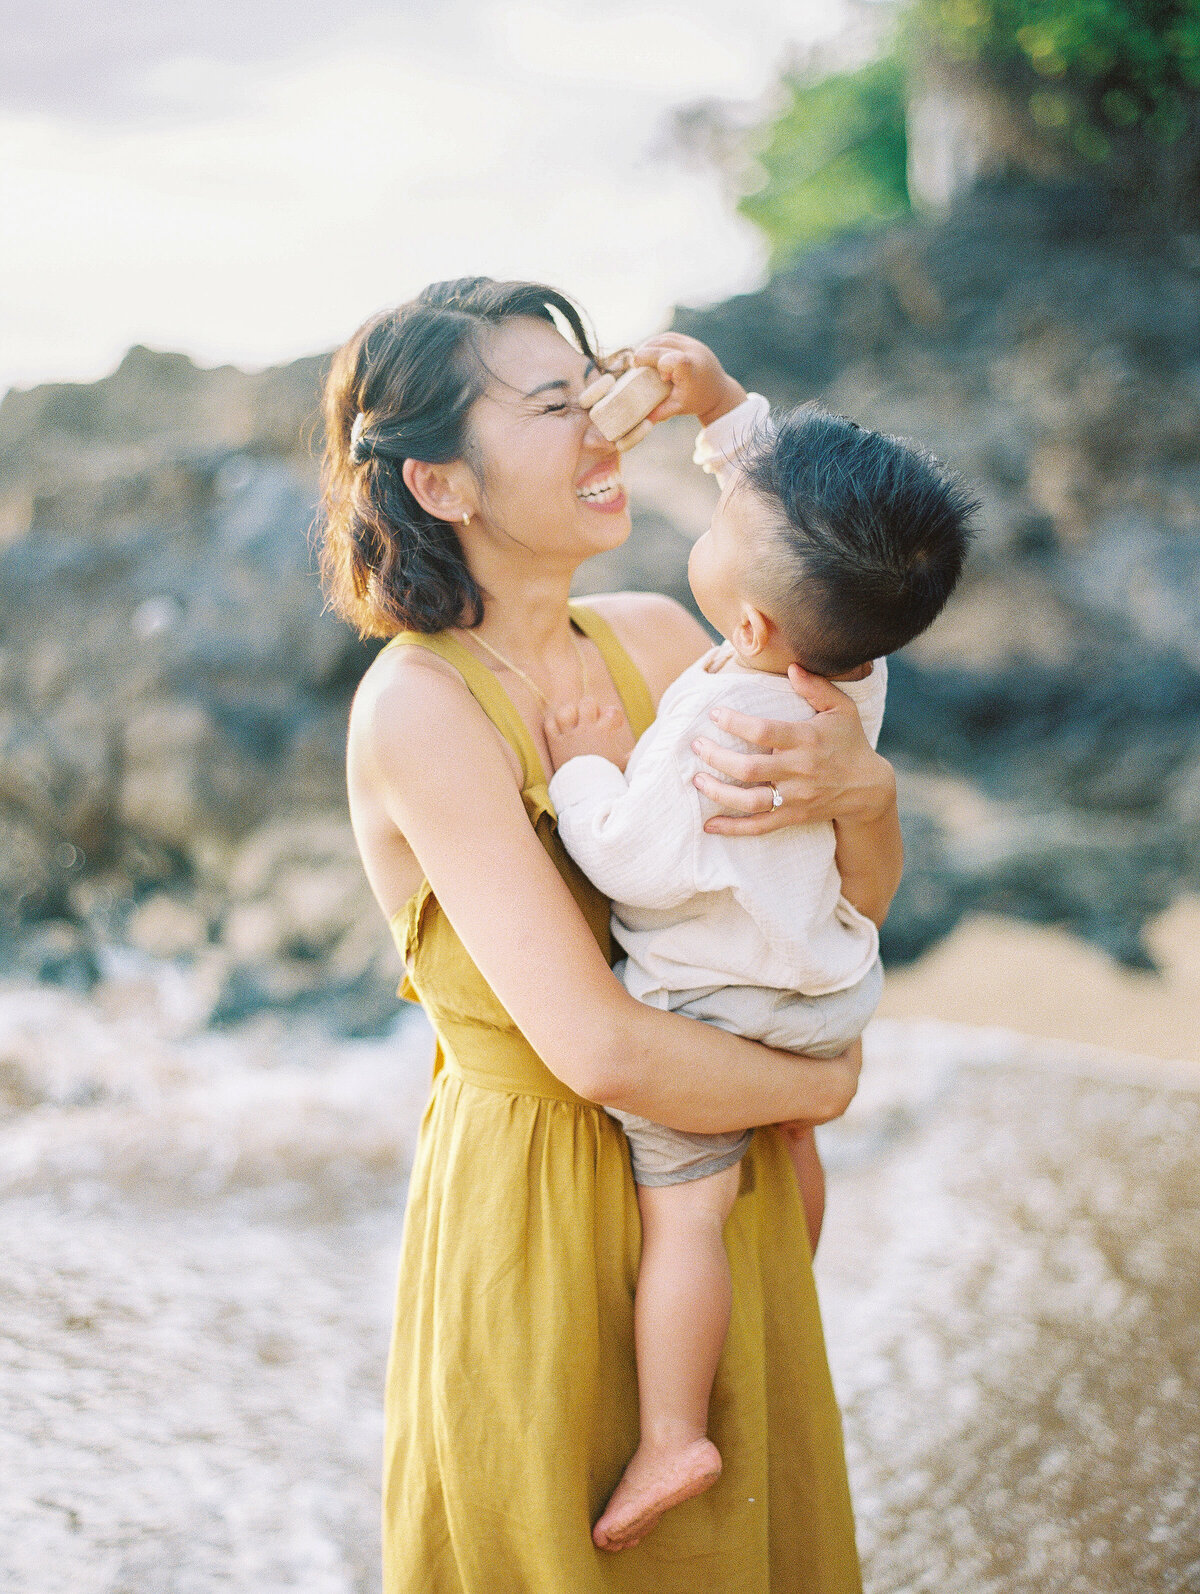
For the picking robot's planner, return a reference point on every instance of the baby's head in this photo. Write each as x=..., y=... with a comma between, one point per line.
x=831, y=546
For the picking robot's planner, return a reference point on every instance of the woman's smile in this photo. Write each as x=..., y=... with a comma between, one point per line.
x=602, y=488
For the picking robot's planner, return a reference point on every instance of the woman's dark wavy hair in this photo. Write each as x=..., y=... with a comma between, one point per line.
x=413, y=373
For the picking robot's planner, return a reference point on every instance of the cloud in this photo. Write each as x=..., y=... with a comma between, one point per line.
x=158, y=60
x=120, y=61
x=248, y=179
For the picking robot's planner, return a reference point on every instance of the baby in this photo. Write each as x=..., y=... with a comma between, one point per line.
x=830, y=546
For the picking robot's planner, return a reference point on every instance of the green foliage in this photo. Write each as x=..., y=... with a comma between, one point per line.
x=834, y=158
x=1090, y=72
x=1115, y=81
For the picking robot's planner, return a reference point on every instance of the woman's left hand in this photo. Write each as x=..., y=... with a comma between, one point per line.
x=823, y=768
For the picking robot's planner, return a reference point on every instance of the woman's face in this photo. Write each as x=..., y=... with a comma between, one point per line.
x=551, y=480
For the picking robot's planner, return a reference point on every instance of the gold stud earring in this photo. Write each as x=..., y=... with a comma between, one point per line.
x=466, y=517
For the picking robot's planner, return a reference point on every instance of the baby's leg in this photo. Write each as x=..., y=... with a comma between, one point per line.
x=681, y=1317
x=818, y=1026
x=810, y=1176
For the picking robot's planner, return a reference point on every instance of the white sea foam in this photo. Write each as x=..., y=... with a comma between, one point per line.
x=200, y=1230
x=119, y=1106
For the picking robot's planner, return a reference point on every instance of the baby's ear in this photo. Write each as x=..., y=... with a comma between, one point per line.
x=752, y=633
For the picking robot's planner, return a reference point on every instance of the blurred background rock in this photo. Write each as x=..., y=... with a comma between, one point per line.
x=985, y=237
x=982, y=232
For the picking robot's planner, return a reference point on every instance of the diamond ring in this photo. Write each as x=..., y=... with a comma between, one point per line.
x=776, y=799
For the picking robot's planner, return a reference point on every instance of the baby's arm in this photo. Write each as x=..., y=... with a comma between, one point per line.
x=633, y=838
x=700, y=385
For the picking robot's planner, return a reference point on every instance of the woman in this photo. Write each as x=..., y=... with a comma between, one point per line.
x=464, y=486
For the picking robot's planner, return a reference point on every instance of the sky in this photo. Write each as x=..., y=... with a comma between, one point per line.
x=247, y=180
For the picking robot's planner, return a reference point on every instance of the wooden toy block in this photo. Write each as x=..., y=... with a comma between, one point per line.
x=597, y=389
x=628, y=401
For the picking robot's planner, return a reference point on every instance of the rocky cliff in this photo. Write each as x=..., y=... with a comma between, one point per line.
x=1047, y=729
x=173, y=697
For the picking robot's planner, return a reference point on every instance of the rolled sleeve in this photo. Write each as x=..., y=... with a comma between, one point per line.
x=718, y=445
x=631, y=837
x=588, y=778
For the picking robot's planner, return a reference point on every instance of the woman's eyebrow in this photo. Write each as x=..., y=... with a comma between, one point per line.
x=544, y=387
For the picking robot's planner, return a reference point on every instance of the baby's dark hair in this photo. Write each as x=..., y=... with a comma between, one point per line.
x=872, y=534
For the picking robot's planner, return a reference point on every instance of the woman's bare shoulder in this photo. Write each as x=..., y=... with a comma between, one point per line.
x=658, y=633
x=399, y=679
x=412, y=697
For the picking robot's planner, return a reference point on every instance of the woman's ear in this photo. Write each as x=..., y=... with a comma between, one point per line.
x=438, y=489
x=752, y=633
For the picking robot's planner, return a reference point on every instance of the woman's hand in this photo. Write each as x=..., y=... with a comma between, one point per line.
x=823, y=768
x=846, y=1069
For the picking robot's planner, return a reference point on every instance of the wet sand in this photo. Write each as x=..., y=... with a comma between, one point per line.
x=1011, y=1293
x=200, y=1238
x=1042, y=981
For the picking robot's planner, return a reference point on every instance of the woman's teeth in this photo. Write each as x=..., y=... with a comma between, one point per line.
x=601, y=492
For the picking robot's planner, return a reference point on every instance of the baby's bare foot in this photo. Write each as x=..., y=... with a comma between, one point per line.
x=654, y=1481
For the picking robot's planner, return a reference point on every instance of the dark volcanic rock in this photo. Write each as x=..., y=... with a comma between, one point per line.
x=1041, y=343
x=173, y=695
x=1084, y=765
x=1049, y=349
x=170, y=682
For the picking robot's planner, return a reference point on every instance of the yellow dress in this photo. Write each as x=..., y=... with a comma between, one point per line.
x=511, y=1406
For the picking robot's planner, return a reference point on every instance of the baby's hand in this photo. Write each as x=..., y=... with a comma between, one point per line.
x=699, y=384
x=574, y=729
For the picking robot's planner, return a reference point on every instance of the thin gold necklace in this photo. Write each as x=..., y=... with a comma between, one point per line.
x=532, y=685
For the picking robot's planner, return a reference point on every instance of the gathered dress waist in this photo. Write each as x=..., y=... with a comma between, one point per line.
x=501, y=1060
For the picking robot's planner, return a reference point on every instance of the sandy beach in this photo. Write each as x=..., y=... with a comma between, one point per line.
x=1044, y=982
x=200, y=1235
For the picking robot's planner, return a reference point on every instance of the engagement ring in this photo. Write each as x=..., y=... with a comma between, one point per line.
x=776, y=799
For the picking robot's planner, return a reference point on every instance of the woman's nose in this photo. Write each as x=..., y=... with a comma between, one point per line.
x=594, y=438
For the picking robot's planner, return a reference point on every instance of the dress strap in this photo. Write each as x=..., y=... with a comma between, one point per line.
x=487, y=692
x=634, y=693
x=498, y=706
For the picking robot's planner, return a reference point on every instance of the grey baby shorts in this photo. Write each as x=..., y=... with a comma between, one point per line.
x=821, y=1026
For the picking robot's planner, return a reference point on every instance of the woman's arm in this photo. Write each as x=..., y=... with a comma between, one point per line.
x=457, y=804
x=870, y=860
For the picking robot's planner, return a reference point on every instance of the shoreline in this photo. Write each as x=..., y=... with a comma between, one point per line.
x=1047, y=984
